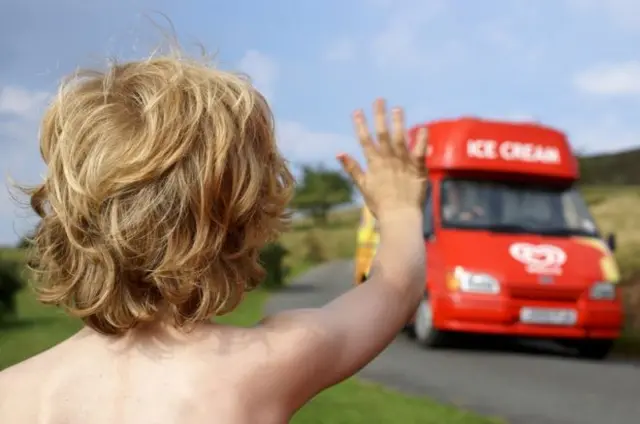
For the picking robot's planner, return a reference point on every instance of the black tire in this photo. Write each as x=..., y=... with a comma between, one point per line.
x=437, y=339
x=427, y=335
x=595, y=349
x=410, y=331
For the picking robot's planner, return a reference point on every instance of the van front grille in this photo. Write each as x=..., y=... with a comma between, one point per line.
x=545, y=293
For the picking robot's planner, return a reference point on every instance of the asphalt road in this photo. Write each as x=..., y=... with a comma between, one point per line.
x=525, y=385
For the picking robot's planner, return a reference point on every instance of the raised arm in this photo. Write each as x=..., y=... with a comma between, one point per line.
x=315, y=348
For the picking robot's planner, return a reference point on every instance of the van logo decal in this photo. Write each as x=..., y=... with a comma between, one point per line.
x=545, y=279
x=539, y=258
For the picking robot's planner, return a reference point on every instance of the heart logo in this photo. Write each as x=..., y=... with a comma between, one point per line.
x=540, y=258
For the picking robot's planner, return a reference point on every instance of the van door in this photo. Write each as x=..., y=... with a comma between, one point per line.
x=428, y=232
x=430, y=241
x=435, y=284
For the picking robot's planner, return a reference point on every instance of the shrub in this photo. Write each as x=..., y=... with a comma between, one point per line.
x=272, y=258
x=10, y=284
x=314, y=251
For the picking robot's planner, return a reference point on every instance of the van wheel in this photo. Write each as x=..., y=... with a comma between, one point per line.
x=594, y=349
x=410, y=331
x=425, y=333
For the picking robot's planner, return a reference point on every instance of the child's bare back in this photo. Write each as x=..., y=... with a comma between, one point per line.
x=164, y=182
x=213, y=374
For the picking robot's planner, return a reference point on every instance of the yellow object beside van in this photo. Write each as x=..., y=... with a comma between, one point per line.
x=366, y=246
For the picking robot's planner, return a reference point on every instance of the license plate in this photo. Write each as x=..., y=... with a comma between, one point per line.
x=548, y=316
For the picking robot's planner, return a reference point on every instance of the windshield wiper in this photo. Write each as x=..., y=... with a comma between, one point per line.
x=558, y=231
x=509, y=228
x=517, y=228
x=567, y=232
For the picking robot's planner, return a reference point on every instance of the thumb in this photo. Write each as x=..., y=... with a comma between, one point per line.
x=352, y=168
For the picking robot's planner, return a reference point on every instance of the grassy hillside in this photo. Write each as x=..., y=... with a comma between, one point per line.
x=611, y=169
x=616, y=211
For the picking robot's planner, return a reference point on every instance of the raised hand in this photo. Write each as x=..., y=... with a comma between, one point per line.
x=396, y=179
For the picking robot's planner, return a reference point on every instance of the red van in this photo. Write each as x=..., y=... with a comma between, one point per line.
x=512, y=247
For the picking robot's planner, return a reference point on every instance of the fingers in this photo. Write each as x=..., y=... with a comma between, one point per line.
x=382, y=131
x=352, y=167
x=389, y=144
x=419, y=151
x=362, y=131
x=398, y=133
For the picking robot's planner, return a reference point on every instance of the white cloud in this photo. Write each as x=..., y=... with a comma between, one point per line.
x=610, y=79
x=399, y=43
x=624, y=13
x=263, y=70
x=396, y=45
x=499, y=37
x=520, y=117
x=298, y=143
x=378, y=3
x=342, y=50
x=18, y=101
x=20, y=109
x=301, y=144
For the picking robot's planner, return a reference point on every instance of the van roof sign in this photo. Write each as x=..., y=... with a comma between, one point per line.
x=472, y=144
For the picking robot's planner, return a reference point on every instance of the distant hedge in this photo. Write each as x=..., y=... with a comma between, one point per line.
x=10, y=283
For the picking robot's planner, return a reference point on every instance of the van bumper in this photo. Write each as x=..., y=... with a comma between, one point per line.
x=497, y=315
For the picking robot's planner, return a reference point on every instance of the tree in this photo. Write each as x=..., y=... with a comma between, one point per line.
x=319, y=190
x=272, y=258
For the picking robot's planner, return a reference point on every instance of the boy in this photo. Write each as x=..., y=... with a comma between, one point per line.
x=164, y=181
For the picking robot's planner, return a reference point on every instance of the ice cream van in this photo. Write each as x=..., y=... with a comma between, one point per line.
x=511, y=246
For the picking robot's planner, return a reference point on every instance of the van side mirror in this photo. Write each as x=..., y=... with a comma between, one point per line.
x=428, y=234
x=611, y=241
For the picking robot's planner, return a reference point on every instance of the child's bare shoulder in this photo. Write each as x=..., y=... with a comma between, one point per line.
x=31, y=369
x=19, y=386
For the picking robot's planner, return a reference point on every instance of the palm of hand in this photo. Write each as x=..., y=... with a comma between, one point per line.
x=396, y=177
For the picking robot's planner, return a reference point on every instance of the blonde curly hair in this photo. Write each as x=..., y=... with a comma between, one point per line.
x=164, y=181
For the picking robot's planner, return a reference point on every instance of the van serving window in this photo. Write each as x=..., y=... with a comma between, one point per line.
x=515, y=207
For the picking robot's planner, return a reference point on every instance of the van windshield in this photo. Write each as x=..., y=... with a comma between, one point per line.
x=515, y=208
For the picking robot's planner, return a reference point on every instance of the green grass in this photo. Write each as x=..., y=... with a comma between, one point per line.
x=36, y=328
x=355, y=401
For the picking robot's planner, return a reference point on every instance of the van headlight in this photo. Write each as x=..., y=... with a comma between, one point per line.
x=603, y=290
x=473, y=282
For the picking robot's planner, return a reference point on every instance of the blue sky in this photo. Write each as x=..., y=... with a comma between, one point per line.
x=574, y=64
